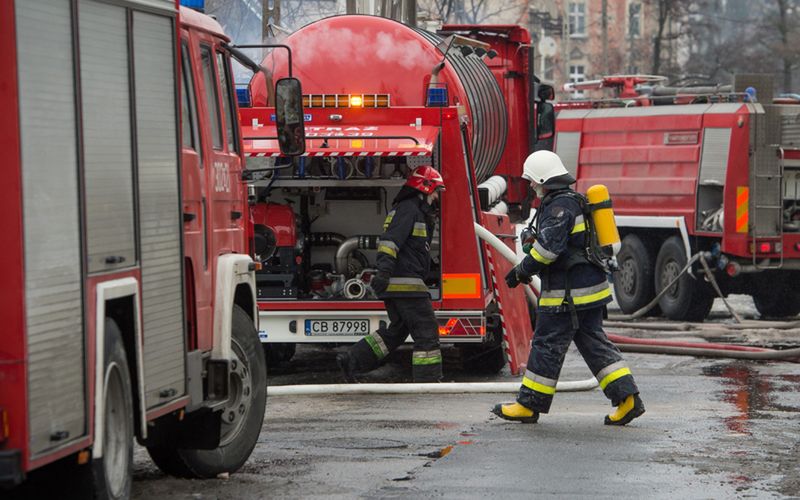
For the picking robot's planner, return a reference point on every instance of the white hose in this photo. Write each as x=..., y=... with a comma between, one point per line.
x=494, y=241
x=441, y=388
x=510, y=256
x=496, y=186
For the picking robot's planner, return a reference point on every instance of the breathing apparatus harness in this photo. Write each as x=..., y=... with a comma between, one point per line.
x=591, y=252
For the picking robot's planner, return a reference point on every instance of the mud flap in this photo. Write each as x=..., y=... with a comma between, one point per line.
x=512, y=303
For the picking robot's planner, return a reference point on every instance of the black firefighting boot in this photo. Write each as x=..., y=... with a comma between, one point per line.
x=347, y=365
x=516, y=413
x=629, y=409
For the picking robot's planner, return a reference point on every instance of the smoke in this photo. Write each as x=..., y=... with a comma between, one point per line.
x=347, y=46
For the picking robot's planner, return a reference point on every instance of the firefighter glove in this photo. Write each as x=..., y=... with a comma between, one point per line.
x=380, y=282
x=517, y=276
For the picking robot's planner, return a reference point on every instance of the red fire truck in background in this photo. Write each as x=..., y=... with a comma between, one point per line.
x=381, y=98
x=128, y=295
x=694, y=169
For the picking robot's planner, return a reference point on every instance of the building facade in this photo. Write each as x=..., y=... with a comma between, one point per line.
x=580, y=40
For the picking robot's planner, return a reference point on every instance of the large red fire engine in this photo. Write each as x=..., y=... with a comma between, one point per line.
x=128, y=296
x=381, y=98
x=694, y=169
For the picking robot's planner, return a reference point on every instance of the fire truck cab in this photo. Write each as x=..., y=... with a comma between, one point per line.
x=128, y=291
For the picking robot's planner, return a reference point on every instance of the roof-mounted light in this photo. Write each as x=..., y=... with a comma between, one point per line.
x=346, y=101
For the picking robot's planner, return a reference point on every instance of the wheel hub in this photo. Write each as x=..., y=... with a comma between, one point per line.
x=240, y=399
x=627, y=276
x=671, y=271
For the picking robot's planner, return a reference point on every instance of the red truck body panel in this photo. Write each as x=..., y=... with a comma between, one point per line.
x=650, y=160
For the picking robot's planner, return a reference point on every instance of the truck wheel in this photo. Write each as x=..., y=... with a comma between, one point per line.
x=634, y=282
x=242, y=415
x=113, y=471
x=278, y=354
x=687, y=300
x=488, y=359
x=777, y=298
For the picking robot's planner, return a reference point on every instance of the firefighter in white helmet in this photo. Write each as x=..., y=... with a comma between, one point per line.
x=574, y=294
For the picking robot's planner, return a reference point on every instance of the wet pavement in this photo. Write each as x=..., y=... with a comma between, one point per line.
x=713, y=429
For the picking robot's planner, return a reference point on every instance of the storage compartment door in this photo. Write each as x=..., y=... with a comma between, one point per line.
x=160, y=223
x=53, y=290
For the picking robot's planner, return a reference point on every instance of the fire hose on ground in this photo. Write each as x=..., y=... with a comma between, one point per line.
x=625, y=344
x=441, y=388
x=657, y=346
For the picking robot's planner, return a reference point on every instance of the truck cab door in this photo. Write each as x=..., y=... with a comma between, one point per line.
x=222, y=190
x=195, y=220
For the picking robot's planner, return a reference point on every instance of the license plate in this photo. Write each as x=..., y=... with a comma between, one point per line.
x=337, y=326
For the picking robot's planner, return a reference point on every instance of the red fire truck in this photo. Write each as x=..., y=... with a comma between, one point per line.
x=694, y=169
x=128, y=295
x=381, y=98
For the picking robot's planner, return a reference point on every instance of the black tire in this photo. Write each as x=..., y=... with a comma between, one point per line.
x=169, y=461
x=247, y=401
x=113, y=472
x=634, y=282
x=690, y=299
x=65, y=479
x=777, y=298
x=486, y=359
x=278, y=353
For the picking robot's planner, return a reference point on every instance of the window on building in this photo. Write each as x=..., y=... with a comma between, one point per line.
x=577, y=73
x=577, y=19
x=634, y=19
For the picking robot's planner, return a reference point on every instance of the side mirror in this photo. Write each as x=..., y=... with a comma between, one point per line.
x=289, y=117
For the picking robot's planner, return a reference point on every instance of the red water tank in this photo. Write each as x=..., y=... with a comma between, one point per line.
x=357, y=54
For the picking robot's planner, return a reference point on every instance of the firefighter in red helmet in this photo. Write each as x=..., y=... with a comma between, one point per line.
x=403, y=263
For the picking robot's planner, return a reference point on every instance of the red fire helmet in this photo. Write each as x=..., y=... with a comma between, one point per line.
x=425, y=179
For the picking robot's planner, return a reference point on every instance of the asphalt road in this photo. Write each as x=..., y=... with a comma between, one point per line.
x=713, y=429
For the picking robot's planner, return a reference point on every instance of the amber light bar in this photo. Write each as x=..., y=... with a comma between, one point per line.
x=346, y=101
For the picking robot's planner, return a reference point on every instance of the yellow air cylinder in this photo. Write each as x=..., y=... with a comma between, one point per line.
x=603, y=218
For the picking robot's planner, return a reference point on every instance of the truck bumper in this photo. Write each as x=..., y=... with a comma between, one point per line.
x=11, y=473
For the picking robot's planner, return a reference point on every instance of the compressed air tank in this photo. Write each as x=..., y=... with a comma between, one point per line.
x=358, y=54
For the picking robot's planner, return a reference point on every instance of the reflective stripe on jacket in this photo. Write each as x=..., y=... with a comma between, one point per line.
x=561, y=238
x=404, y=248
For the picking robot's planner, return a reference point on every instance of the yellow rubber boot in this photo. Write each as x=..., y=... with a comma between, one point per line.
x=629, y=409
x=516, y=413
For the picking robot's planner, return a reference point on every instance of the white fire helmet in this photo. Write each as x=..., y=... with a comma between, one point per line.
x=546, y=169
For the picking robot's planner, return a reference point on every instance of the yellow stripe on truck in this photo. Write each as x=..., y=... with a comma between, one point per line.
x=461, y=286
